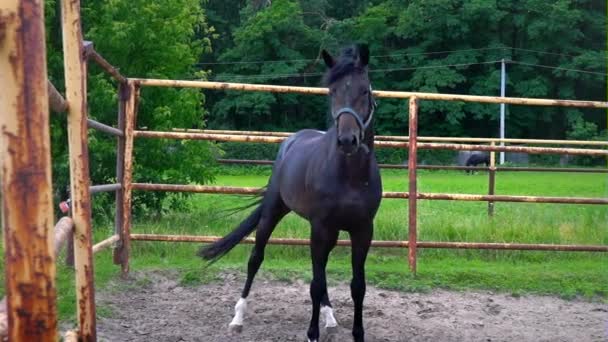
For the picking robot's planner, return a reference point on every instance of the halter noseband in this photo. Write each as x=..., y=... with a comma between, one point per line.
x=348, y=110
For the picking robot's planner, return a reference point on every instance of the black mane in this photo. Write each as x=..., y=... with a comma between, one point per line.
x=346, y=64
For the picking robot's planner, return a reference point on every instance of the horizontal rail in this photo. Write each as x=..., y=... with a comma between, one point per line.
x=387, y=194
x=442, y=167
x=105, y=243
x=104, y=188
x=57, y=102
x=506, y=198
x=380, y=243
x=377, y=93
x=406, y=138
x=203, y=189
x=393, y=144
x=236, y=138
x=105, y=65
x=520, y=149
x=104, y=128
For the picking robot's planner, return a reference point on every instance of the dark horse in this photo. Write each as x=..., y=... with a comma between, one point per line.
x=332, y=180
x=477, y=158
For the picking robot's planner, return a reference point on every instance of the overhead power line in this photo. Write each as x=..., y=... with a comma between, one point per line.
x=373, y=56
x=314, y=74
x=402, y=54
x=559, y=68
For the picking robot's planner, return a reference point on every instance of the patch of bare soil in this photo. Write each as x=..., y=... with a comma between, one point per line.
x=162, y=310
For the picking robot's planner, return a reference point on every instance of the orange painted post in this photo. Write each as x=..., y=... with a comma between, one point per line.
x=76, y=95
x=413, y=189
x=27, y=202
x=127, y=179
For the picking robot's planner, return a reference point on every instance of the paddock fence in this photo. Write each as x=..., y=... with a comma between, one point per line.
x=26, y=177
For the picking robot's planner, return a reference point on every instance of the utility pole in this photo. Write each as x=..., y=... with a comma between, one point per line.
x=503, y=76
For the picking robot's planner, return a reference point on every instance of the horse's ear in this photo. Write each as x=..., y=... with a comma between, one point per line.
x=329, y=60
x=363, y=54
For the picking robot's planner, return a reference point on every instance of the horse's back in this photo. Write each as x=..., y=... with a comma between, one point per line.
x=299, y=137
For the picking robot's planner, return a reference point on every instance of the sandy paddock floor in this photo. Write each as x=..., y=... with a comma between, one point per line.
x=163, y=311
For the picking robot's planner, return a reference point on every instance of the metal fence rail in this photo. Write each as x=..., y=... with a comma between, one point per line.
x=443, y=167
x=385, y=244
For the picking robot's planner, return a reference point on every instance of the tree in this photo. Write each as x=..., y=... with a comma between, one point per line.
x=160, y=39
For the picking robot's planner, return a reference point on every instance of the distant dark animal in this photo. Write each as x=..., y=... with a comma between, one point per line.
x=478, y=158
x=332, y=180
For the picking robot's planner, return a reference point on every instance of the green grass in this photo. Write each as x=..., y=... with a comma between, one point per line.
x=567, y=275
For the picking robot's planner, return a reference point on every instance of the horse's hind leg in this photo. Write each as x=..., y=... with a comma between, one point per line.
x=274, y=210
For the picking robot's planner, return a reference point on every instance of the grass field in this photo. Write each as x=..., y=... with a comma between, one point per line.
x=567, y=275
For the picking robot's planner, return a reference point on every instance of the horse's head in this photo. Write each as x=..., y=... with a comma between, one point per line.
x=352, y=104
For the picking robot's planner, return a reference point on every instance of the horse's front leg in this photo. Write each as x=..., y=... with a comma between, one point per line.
x=360, y=240
x=323, y=239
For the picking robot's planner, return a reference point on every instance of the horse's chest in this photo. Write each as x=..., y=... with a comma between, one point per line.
x=351, y=205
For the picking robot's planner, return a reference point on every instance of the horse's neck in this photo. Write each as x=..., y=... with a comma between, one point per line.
x=355, y=168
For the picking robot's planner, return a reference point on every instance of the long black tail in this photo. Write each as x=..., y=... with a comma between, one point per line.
x=218, y=249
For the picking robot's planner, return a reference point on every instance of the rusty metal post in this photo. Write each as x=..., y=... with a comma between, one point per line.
x=491, y=180
x=76, y=96
x=27, y=202
x=127, y=179
x=123, y=95
x=413, y=189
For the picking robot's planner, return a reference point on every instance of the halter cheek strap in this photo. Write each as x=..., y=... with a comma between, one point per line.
x=348, y=110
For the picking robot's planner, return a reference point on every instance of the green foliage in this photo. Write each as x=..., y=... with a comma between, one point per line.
x=279, y=42
x=157, y=39
x=237, y=150
x=403, y=38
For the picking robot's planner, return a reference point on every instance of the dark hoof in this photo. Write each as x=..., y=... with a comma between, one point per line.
x=236, y=328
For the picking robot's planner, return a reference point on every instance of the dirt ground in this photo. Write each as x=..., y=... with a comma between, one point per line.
x=162, y=310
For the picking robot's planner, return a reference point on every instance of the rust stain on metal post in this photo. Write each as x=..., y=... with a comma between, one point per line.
x=127, y=179
x=76, y=92
x=412, y=164
x=27, y=204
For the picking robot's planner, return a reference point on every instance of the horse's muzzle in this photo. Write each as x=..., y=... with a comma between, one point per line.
x=348, y=143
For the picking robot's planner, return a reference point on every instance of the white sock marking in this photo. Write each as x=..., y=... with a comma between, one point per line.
x=330, y=320
x=239, y=312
